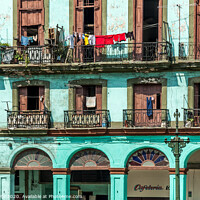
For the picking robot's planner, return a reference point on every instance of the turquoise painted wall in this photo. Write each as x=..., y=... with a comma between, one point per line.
x=173, y=21
x=117, y=16
x=6, y=22
x=177, y=92
x=59, y=14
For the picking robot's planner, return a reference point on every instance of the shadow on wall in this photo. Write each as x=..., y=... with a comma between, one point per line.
x=2, y=85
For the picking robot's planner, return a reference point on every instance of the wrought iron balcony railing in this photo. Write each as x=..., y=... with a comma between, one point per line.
x=86, y=118
x=145, y=118
x=83, y=54
x=191, y=118
x=28, y=119
x=189, y=51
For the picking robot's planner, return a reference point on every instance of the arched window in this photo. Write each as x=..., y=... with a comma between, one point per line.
x=148, y=158
x=89, y=158
x=32, y=159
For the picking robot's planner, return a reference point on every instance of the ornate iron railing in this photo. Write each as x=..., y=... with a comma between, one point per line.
x=86, y=118
x=144, y=118
x=191, y=118
x=189, y=51
x=83, y=54
x=28, y=119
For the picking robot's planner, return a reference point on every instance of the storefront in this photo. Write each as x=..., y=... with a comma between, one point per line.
x=148, y=176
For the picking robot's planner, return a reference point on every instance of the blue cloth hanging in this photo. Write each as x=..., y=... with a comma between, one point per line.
x=149, y=107
x=24, y=41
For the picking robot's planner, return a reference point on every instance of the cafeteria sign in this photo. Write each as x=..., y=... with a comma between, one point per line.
x=141, y=188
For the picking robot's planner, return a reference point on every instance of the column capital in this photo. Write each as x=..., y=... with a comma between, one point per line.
x=182, y=171
x=61, y=171
x=118, y=171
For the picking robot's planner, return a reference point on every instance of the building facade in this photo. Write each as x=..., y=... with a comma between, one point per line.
x=89, y=122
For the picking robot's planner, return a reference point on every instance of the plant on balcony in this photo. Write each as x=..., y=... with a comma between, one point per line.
x=19, y=57
x=60, y=52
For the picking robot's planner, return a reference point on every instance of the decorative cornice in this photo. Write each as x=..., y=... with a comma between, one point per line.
x=182, y=171
x=118, y=171
x=61, y=171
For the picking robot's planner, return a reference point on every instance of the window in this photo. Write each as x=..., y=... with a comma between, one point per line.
x=31, y=98
x=31, y=20
x=87, y=16
x=89, y=97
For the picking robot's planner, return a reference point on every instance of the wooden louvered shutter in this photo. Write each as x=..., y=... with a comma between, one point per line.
x=196, y=95
x=23, y=98
x=41, y=94
x=79, y=16
x=99, y=97
x=79, y=99
x=97, y=17
x=197, y=53
x=139, y=28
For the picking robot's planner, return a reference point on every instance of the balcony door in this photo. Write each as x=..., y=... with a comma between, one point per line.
x=142, y=94
x=31, y=20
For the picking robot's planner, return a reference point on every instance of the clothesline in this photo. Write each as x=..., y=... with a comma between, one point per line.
x=98, y=40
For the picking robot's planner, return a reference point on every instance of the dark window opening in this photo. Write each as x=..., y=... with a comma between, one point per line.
x=150, y=21
x=158, y=101
x=33, y=98
x=46, y=176
x=17, y=177
x=32, y=31
x=90, y=176
x=89, y=20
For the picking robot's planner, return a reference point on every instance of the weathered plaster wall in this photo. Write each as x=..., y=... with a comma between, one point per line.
x=117, y=16
x=177, y=92
x=6, y=22
x=173, y=20
x=59, y=14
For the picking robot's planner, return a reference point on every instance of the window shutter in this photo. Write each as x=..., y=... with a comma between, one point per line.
x=97, y=17
x=139, y=21
x=196, y=97
x=41, y=93
x=99, y=97
x=79, y=16
x=79, y=98
x=23, y=98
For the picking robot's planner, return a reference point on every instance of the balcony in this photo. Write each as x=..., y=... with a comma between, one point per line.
x=140, y=118
x=86, y=119
x=28, y=119
x=191, y=118
x=154, y=51
x=189, y=51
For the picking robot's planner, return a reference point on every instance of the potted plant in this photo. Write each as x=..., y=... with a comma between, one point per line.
x=19, y=57
x=188, y=123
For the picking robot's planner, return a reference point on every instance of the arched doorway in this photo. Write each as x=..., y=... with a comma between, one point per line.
x=148, y=177
x=193, y=176
x=90, y=175
x=33, y=176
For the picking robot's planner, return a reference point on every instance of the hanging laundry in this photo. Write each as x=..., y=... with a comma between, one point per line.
x=79, y=36
x=71, y=41
x=90, y=102
x=92, y=39
x=116, y=38
x=100, y=41
x=122, y=37
x=149, y=107
x=83, y=36
x=109, y=40
x=35, y=38
x=30, y=39
x=130, y=35
x=24, y=41
x=86, y=39
x=61, y=36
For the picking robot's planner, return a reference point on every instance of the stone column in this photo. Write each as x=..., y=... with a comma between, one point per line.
x=118, y=178
x=183, y=178
x=7, y=184
x=61, y=184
